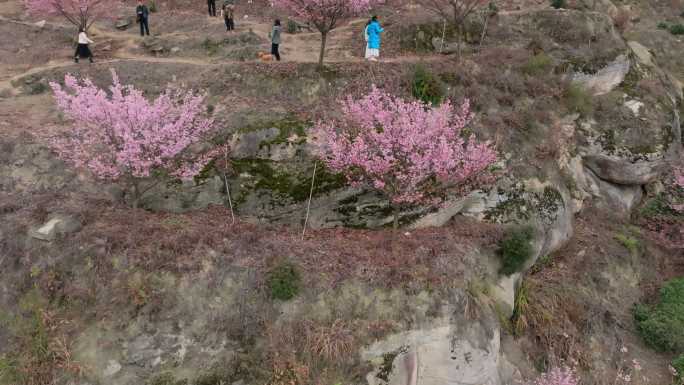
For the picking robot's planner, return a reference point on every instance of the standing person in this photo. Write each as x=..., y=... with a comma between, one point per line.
x=212, y=7
x=374, y=31
x=83, y=50
x=365, y=36
x=143, y=15
x=228, y=11
x=275, y=39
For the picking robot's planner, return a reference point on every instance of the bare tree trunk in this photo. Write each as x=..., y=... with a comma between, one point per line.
x=308, y=206
x=459, y=32
x=324, y=38
x=395, y=211
x=484, y=30
x=136, y=194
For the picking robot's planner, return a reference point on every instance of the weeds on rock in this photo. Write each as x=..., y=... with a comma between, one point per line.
x=578, y=100
x=284, y=281
x=662, y=325
x=538, y=64
x=515, y=249
x=427, y=87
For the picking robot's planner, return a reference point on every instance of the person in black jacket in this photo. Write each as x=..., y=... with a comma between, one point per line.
x=212, y=7
x=143, y=14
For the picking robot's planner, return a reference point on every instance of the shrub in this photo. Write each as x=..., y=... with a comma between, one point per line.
x=662, y=325
x=578, y=100
x=515, y=249
x=426, y=87
x=678, y=365
x=655, y=207
x=630, y=243
x=291, y=26
x=558, y=4
x=538, y=64
x=284, y=281
x=663, y=25
x=677, y=29
x=153, y=7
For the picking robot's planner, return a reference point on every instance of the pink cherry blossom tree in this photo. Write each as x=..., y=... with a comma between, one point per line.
x=410, y=151
x=324, y=15
x=121, y=136
x=81, y=13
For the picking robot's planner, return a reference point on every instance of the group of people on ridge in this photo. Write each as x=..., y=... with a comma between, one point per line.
x=371, y=33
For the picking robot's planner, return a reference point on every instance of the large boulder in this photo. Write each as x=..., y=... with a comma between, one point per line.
x=606, y=79
x=448, y=351
x=622, y=172
x=56, y=225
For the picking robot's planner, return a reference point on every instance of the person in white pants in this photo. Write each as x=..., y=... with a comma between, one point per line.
x=365, y=35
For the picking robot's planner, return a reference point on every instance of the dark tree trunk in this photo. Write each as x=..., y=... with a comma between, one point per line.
x=324, y=38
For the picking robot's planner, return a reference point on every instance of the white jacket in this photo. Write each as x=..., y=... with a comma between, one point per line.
x=83, y=38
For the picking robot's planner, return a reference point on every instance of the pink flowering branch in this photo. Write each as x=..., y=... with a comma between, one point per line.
x=121, y=135
x=409, y=151
x=81, y=13
x=325, y=15
x=556, y=376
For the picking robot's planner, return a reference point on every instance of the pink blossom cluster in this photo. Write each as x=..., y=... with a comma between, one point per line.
x=122, y=134
x=324, y=14
x=407, y=150
x=79, y=12
x=556, y=376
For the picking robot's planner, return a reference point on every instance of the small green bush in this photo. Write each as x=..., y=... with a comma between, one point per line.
x=211, y=46
x=558, y=4
x=426, y=87
x=538, y=64
x=663, y=25
x=515, y=249
x=677, y=29
x=662, y=325
x=655, y=207
x=291, y=26
x=284, y=281
x=630, y=243
x=578, y=100
x=678, y=364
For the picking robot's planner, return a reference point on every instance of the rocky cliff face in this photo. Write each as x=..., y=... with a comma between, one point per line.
x=587, y=122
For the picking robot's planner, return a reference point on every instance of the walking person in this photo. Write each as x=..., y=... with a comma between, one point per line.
x=374, y=31
x=212, y=7
x=83, y=50
x=275, y=39
x=228, y=11
x=143, y=14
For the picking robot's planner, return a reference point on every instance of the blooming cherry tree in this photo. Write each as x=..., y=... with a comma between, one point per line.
x=409, y=151
x=325, y=15
x=121, y=136
x=81, y=13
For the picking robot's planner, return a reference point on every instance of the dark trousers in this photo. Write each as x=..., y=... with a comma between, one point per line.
x=212, y=7
x=83, y=51
x=144, y=27
x=275, y=52
x=230, y=24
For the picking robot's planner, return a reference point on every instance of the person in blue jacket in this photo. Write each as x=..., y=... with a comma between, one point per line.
x=374, y=30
